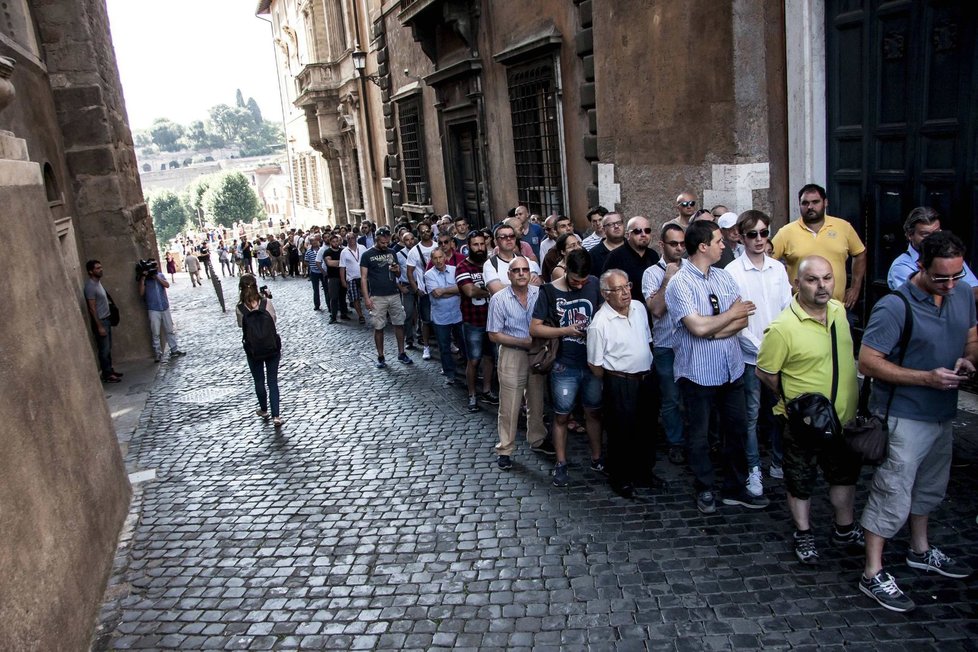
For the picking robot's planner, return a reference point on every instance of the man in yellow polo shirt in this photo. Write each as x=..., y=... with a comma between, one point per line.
x=818, y=234
x=794, y=358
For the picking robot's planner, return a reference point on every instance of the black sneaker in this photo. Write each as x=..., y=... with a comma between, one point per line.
x=381, y=364
x=404, y=359
x=744, y=499
x=561, y=477
x=473, y=404
x=853, y=537
x=936, y=561
x=805, y=548
x=705, y=502
x=598, y=465
x=504, y=462
x=677, y=455
x=546, y=447
x=490, y=397
x=410, y=346
x=332, y=320
x=883, y=588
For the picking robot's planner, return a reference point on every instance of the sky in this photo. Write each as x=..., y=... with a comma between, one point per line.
x=180, y=57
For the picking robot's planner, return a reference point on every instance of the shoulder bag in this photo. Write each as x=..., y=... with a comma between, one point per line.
x=812, y=416
x=868, y=434
x=543, y=351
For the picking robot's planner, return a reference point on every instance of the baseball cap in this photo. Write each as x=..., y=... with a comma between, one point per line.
x=727, y=220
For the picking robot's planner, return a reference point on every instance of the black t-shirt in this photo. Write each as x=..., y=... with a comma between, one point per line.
x=332, y=254
x=559, y=309
x=599, y=253
x=380, y=280
x=627, y=260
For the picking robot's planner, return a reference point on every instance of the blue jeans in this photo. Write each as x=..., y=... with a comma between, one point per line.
x=476, y=341
x=259, y=370
x=316, y=279
x=105, y=348
x=566, y=383
x=728, y=399
x=761, y=424
x=444, y=334
x=672, y=419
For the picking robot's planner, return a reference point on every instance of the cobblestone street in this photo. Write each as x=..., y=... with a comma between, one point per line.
x=377, y=519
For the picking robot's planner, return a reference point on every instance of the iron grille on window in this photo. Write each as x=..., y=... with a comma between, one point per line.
x=533, y=102
x=412, y=152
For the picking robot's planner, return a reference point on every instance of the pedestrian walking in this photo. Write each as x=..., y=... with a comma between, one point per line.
x=256, y=317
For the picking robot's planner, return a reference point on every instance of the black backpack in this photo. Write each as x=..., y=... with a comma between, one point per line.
x=259, y=337
x=275, y=248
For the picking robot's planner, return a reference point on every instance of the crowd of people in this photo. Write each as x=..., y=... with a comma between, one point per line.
x=707, y=338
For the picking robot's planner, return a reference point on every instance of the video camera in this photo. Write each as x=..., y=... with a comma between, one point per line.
x=147, y=267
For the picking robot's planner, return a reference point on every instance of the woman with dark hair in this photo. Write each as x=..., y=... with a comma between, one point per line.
x=262, y=345
x=566, y=243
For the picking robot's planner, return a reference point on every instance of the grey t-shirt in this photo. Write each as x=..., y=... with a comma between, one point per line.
x=94, y=290
x=937, y=340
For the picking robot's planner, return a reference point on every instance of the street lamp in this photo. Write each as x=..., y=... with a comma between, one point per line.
x=360, y=65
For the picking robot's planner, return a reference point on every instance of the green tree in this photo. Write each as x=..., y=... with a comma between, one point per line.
x=239, y=99
x=196, y=190
x=167, y=134
x=255, y=111
x=170, y=215
x=142, y=138
x=231, y=198
x=231, y=123
x=200, y=137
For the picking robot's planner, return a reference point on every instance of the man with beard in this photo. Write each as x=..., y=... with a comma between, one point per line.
x=636, y=256
x=613, y=226
x=475, y=310
x=379, y=271
x=99, y=310
x=818, y=234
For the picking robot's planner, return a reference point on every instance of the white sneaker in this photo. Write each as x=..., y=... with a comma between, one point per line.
x=754, y=486
x=426, y=355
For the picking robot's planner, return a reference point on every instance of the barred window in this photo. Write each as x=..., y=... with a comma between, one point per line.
x=412, y=152
x=533, y=103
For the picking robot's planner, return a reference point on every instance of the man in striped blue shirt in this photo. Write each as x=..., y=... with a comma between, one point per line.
x=706, y=309
x=315, y=271
x=508, y=326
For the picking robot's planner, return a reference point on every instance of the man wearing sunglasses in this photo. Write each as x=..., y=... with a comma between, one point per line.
x=918, y=390
x=685, y=208
x=636, y=256
x=708, y=314
x=764, y=282
x=921, y=222
x=818, y=234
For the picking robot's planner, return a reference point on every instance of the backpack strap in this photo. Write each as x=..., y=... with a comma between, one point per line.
x=494, y=259
x=905, y=335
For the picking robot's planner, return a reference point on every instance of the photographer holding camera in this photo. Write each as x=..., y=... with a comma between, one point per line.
x=152, y=287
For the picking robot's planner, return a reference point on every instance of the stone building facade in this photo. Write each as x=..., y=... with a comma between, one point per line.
x=69, y=191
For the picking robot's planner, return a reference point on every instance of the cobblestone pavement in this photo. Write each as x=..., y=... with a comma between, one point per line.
x=376, y=519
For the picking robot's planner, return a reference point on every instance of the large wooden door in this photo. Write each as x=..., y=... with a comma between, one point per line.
x=901, y=86
x=466, y=180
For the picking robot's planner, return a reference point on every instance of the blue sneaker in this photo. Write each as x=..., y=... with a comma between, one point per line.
x=380, y=362
x=404, y=359
x=560, y=474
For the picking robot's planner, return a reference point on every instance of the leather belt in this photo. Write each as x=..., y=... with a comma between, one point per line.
x=630, y=376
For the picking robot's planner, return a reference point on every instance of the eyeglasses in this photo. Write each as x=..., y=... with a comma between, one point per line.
x=614, y=225
x=750, y=235
x=621, y=289
x=947, y=279
x=687, y=204
x=646, y=231
x=510, y=236
x=444, y=241
x=675, y=243
x=519, y=270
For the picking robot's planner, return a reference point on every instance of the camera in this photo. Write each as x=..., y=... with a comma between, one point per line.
x=263, y=290
x=147, y=267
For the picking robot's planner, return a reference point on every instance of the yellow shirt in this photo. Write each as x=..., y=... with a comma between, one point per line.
x=835, y=242
x=800, y=349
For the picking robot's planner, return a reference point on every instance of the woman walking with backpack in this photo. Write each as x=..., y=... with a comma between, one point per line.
x=262, y=345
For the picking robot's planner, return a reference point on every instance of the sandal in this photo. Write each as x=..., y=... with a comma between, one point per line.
x=262, y=413
x=278, y=421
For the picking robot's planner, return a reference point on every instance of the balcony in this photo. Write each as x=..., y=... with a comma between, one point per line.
x=316, y=80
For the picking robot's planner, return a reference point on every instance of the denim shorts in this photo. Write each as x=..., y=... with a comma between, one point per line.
x=476, y=339
x=567, y=382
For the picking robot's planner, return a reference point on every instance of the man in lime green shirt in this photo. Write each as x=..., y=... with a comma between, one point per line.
x=796, y=357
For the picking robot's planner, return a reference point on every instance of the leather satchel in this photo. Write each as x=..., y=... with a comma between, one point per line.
x=812, y=416
x=543, y=351
x=867, y=434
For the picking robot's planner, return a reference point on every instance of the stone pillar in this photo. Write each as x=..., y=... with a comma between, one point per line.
x=336, y=186
x=64, y=493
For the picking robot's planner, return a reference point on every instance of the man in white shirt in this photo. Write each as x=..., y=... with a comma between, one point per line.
x=350, y=272
x=595, y=233
x=548, y=243
x=417, y=262
x=495, y=271
x=764, y=282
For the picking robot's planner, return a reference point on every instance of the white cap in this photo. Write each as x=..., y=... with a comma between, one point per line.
x=727, y=220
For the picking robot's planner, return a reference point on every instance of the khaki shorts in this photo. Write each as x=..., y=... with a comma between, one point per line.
x=385, y=306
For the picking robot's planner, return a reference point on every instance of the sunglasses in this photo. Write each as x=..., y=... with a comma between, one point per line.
x=715, y=304
x=675, y=243
x=444, y=241
x=750, y=235
x=519, y=270
x=687, y=204
x=947, y=279
x=646, y=231
x=509, y=236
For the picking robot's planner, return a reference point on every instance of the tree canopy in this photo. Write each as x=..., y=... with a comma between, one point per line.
x=230, y=198
x=167, y=134
x=170, y=214
x=241, y=126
